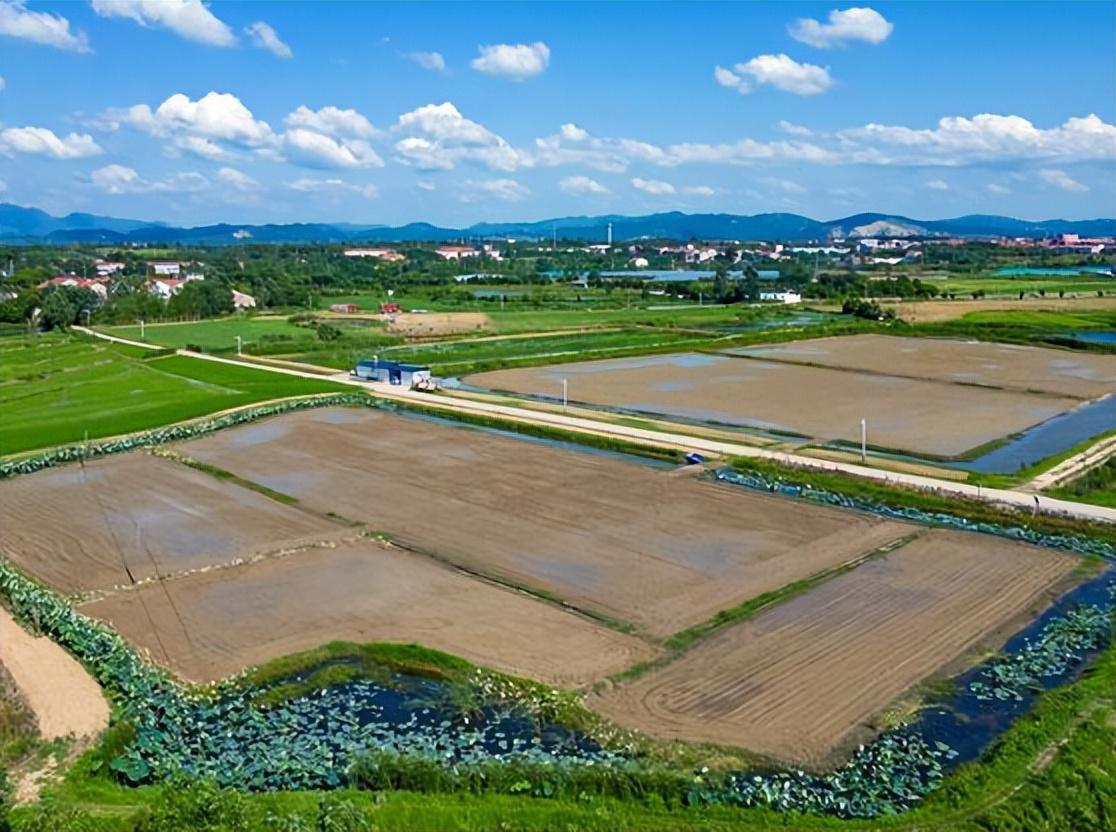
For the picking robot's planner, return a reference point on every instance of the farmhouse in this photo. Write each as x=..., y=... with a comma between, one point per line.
x=344, y=308
x=96, y=285
x=243, y=301
x=456, y=252
x=388, y=255
x=168, y=268
x=391, y=372
x=782, y=296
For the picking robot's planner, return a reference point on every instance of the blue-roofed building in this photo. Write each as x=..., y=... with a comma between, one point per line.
x=391, y=372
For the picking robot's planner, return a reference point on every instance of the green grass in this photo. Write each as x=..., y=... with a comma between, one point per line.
x=1012, y=286
x=1096, y=486
x=214, y=335
x=59, y=389
x=1045, y=320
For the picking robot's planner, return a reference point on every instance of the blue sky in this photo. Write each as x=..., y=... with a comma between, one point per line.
x=455, y=113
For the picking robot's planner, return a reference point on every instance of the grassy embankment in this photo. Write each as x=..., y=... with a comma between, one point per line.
x=58, y=389
x=1096, y=486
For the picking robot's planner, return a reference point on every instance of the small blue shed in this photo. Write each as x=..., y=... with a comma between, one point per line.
x=391, y=372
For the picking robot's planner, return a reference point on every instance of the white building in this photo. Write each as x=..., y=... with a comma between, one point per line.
x=782, y=296
x=456, y=252
x=166, y=268
x=388, y=255
x=243, y=301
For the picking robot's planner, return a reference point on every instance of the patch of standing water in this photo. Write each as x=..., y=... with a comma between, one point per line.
x=1044, y=440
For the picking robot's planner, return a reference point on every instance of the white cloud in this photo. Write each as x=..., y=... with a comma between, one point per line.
x=118, y=179
x=699, y=190
x=190, y=19
x=582, y=185
x=239, y=180
x=517, y=62
x=215, y=116
x=426, y=186
x=653, y=186
x=779, y=71
x=785, y=185
x=319, y=150
x=428, y=60
x=199, y=146
x=332, y=121
x=40, y=27
x=264, y=36
x=794, y=129
x=44, y=142
x=998, y=189
x=507, y=190
x=3, y=186
x=862, y=24
x=440, y=137
x=335, y=186
x=937, y=185
x=3, y=83
x=1061, y=179
x=984, y=137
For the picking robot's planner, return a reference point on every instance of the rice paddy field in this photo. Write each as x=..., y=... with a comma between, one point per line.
x=575, y=568
x=930, y=397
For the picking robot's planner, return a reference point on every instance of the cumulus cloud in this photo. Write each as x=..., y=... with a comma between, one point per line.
x=264, y=36
x=1061, y=179
x=582, y=185
x=189, y=19
x=40, y=27
x=428, y=60
x=439, y=137
x=699, y=190
x=334, y=186
x=238, y=179
x=653, y=186
x=332, y=121
x=779, y=71
x=507, y=190
x=517, y=62
x=3, y=186
x=984, y=137
x=996, y=188
x=119, y=179
x=215, y=116
x=42, y=141
x=3, y=83
x=937, y=185
x=319, y=150
x=856, y=24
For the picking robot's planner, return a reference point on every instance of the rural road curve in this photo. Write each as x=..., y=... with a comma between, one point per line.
x=1024, y=500
x=64, y=698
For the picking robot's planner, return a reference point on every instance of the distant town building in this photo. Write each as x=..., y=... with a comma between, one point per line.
x=106, y=268
x=391, y=372
x=344, y=308
x=388, y=255
x=167, y=268
x=456, y=252
x=242, y=301
x=96, y=285
x=638, y=263
x=782, y=297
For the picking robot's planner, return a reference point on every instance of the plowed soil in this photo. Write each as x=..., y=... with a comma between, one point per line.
x=919, y=416
x=1009, y=366
x=619, y=538
x=121, y=519
x=802, y=680
x=359, y=591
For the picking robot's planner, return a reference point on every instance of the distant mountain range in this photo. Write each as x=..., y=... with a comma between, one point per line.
x=27, y=226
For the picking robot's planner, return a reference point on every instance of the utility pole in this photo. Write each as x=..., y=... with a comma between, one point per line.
x=565, y=398
x=238, y=345
x=863, y=440
x=141, y=329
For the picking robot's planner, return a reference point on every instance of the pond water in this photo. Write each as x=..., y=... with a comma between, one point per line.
x=1106, y=338
x=1047, y=439
x=1067, y=271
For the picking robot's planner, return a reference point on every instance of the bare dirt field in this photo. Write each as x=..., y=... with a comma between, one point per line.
x=117, y=519
x=359, y=591
x=429, y=324
x=946, y=310
x=802, y=680
x=620, y=538
x=927, y=417
x=1009, y=366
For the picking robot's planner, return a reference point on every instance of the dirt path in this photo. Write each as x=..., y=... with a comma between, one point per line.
x=1073, y=467
x=65, y=699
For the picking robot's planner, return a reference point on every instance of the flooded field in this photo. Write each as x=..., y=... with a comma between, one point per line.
x=803, y=680
x=919, y=416
x=213, y=624
x=1006, y=366
x=659, y=549
x=123, y=519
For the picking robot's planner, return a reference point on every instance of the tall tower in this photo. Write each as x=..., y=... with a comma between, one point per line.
x=610, y=234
